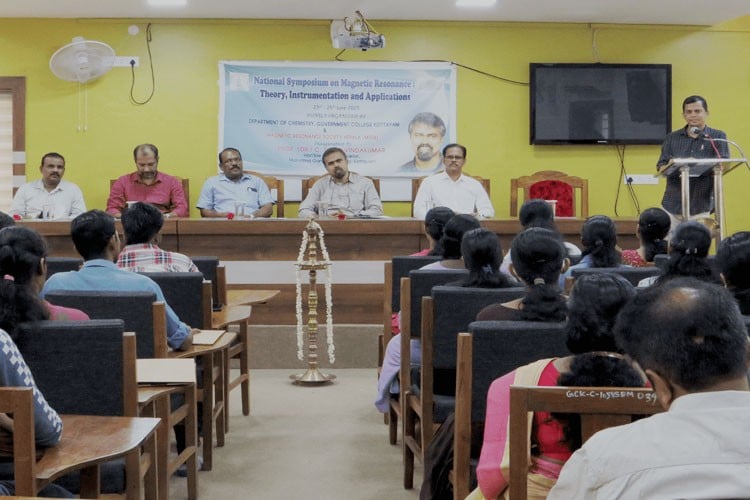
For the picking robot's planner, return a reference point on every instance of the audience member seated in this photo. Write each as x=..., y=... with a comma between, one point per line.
x=142, y=224
x=49, y=197
x=653, y=226
x=452, y=189
x=96, y=239
x=23, y=267
x=487, y=252
x=434, y=224
x=594, y=303
x=690, y=339
x=148, y=185
x=538, y=258
x=538, y=213
x=233, y=188
x=733, y=258
x=344, y=192
x=21, y=303
x=599, y=239
x=688, y=252
x=449, y=245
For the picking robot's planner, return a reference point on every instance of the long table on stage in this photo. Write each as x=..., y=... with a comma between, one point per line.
x=350, y=242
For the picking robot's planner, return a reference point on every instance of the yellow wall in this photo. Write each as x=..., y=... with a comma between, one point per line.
x=182, y=117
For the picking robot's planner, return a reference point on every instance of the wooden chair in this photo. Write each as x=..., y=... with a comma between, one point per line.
x=417, y=181
x=418, y=284
x=307, y=184
x=552, y=185
x=147, y=318
x=274, y=184
x=189, y=296
x=489, y=350
x=62, y=264
x=80, y=448
x=234, y=314
x=393, y=271
x=597, y=412
x=207, y=265
x=185, y=187
x=144, y=316
x=183, y=298
x=92, y=372
x=431, y=396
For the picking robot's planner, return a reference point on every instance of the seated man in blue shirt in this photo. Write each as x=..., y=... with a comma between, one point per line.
x=233, y=189
x=96, y=239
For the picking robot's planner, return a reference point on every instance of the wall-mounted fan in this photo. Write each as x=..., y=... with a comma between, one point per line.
x=82, y=60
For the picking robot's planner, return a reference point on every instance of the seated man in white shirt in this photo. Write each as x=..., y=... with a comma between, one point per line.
x=452, y=189
x=690, y=339
x=49, y=197
x=343, y=191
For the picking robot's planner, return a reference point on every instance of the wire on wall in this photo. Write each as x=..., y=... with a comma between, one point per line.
x=624, y=178
x=151, y=66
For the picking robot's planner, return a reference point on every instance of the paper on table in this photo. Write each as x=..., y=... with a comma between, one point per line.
x=207, y=337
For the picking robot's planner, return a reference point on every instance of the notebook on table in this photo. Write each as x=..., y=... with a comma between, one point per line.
x=207, y=337
x=165, y=371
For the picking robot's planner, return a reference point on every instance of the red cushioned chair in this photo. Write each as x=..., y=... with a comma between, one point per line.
x=552, y=185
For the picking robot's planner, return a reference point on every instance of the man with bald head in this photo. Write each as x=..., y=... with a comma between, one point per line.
x=690, y=339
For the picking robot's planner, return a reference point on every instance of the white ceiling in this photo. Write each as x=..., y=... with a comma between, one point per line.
x=689, y=12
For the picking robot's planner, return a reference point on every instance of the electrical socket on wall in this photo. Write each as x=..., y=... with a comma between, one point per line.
x=124, y=61
x=640, y=179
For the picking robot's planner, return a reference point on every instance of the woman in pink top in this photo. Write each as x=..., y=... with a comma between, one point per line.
x=653, y=226
x=593, y=306
x=23, y=270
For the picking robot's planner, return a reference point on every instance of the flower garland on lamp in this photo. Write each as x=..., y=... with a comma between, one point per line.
x=312, y=238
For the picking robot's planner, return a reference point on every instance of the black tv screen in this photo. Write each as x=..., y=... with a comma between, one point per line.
x=600, y=103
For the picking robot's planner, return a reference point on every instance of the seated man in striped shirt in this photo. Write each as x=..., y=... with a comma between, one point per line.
x=142, y=223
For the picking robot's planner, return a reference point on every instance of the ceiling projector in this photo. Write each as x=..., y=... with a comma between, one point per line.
x=345, y=35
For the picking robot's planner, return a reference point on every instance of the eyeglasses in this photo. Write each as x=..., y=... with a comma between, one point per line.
x=451, y=158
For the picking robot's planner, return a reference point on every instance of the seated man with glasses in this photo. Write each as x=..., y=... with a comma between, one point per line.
x=452, y=189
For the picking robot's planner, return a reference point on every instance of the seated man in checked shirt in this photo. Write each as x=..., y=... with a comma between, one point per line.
x=142, y=224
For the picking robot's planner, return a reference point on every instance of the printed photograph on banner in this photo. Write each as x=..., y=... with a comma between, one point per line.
x=392, y=119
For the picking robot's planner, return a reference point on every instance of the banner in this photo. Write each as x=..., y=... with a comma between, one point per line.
x=283, y=115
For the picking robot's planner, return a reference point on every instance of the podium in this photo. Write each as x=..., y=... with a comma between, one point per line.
x=695, y=167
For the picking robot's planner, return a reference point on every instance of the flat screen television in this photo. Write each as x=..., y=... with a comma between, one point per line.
x=600, y=103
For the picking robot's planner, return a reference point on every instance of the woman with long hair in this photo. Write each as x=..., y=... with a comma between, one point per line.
x=593, y=306
x=482, y=253
x=449, y=245
x=23, y=264
x=22, y=272
x=434, y=224
x=538, y=258
x=599, y=240
x=688, y=254
x=653, y=226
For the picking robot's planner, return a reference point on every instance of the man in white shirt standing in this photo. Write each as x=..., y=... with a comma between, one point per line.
x=452, y=189
x=49, y=197
x=690, y=339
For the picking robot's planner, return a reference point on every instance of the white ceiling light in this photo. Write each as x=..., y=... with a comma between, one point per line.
x=475, y=3
x=167, y=3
